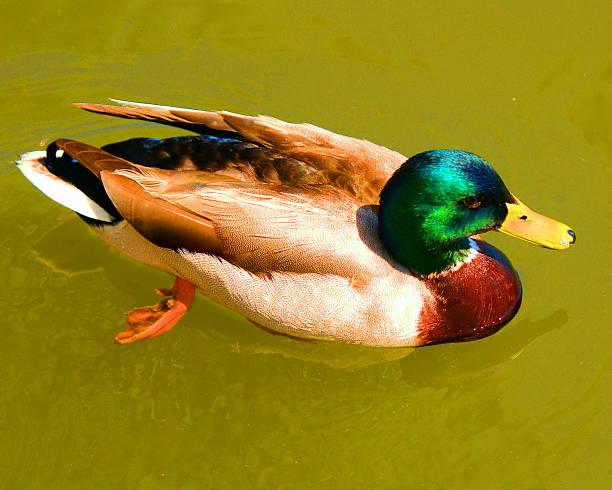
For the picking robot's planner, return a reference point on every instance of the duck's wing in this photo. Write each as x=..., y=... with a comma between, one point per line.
x=260, y=227
x=271, y=227
x=358, y=167
x=201, y=122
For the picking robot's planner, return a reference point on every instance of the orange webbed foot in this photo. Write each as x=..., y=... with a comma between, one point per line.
x=151, y=321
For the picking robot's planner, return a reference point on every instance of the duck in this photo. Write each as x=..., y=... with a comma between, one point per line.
x=302, y=231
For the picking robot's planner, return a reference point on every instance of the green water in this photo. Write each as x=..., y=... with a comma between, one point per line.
x=217, y=403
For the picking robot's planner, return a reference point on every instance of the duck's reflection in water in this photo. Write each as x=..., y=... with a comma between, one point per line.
x=424, y=365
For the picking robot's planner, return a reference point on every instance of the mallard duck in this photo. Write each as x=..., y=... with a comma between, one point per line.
x=303, y=231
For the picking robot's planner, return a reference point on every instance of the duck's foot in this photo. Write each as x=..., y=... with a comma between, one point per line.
x=151, y=321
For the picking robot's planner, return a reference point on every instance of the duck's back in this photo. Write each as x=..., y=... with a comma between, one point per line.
x=258, y=148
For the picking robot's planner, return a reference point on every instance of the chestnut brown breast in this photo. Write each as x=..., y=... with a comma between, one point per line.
x=473, y=302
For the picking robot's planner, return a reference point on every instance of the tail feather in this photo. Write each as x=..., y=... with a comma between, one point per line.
x=32, y=166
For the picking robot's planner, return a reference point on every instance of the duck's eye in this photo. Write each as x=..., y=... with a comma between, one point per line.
x=471, y=202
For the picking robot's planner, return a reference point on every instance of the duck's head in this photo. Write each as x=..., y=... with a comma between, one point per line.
x=439, y=198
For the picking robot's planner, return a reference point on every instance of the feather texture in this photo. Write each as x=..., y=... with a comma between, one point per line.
x=358, y=167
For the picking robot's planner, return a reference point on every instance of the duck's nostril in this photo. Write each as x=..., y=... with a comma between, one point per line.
x=573, y=235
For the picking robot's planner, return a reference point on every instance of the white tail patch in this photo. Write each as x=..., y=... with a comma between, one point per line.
x=30, y=165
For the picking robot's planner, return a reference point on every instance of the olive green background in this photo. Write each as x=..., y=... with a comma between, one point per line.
x=217, y=403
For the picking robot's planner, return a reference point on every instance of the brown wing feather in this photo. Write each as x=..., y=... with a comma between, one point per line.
x=192, y=120
x=357, y=167
x=159, y=221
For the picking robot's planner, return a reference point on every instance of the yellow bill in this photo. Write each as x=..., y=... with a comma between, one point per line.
x=533, y=227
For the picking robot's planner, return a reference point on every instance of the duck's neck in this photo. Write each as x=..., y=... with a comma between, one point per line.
x=417, y=246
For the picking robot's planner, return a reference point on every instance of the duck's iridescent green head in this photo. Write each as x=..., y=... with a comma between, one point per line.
x=437, y=199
